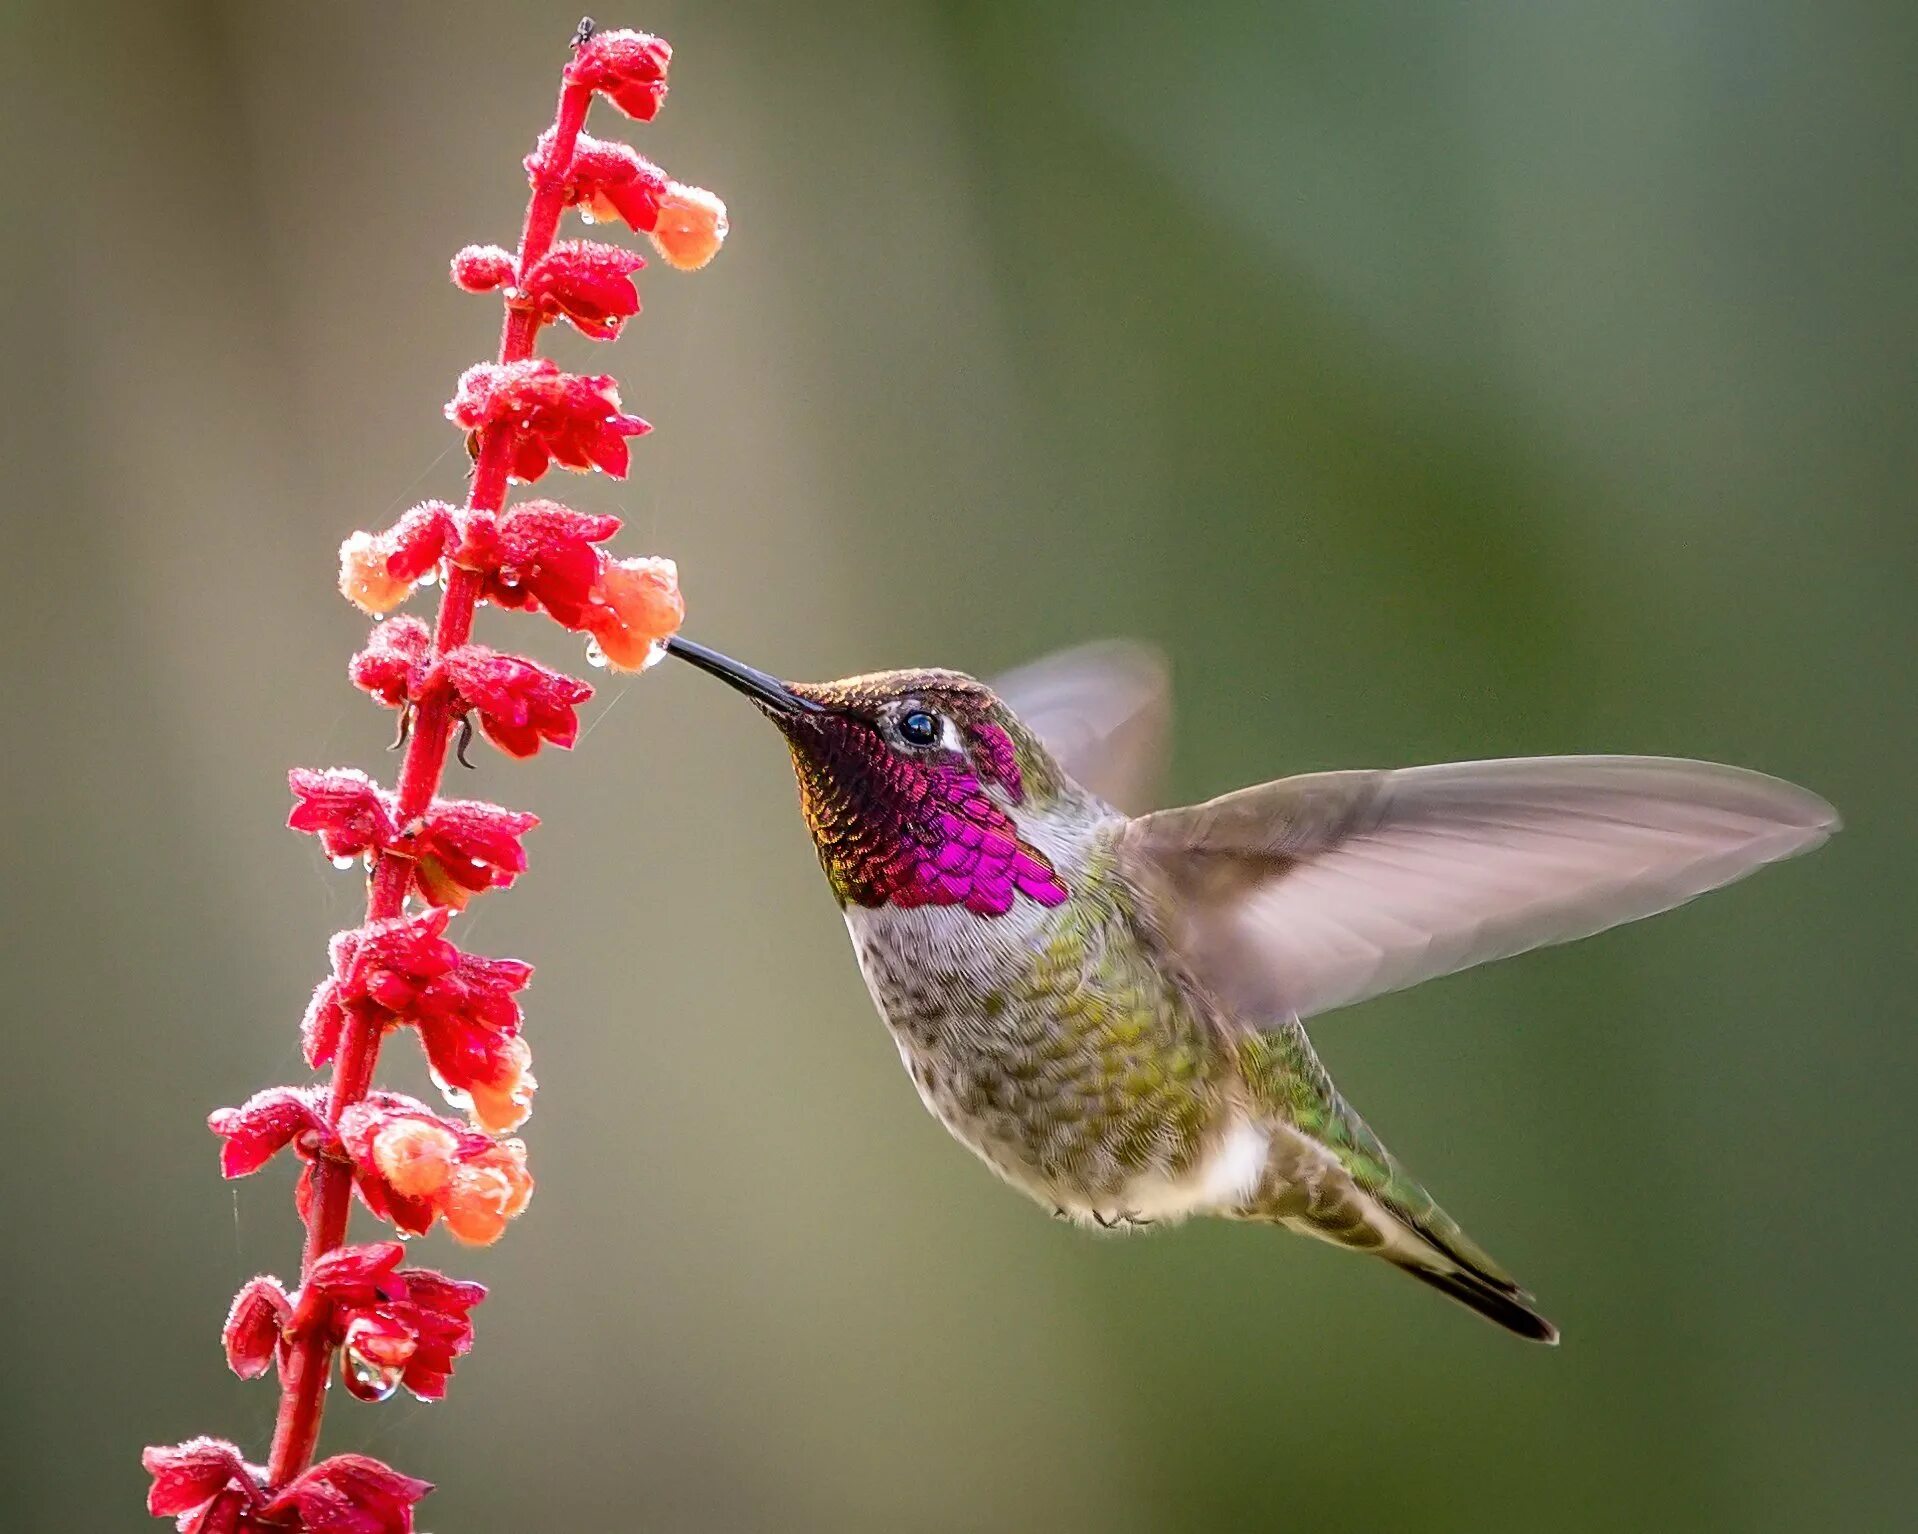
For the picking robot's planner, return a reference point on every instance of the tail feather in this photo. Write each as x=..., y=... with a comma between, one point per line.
x=1499, y=1304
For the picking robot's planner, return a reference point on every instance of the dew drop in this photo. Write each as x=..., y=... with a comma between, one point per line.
x=368, y=1380
x=342, y=862
x=431, y=577
x=586, y=216
x=595, y=656
x=655, y=653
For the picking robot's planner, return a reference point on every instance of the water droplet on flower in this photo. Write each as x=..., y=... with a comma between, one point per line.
x=368, y=1380
x=342, y=861
x=431, y=577
x=586, y=216
x=655, y=653
x=595, y=656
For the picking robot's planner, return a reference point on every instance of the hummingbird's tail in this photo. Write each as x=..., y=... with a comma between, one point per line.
x=1327, y=1175
x=1502, y=1303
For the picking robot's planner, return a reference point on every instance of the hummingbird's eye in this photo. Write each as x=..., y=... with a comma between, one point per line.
x=919, y=728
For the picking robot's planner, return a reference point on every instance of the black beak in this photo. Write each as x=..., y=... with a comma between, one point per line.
x=757, y=685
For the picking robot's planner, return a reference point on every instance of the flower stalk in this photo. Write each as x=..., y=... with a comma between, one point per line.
x=427, y=856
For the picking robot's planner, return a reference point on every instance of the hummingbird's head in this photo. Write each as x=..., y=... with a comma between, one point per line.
x=921, y=788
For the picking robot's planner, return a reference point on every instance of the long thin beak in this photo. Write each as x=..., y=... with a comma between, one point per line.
x=757, y=685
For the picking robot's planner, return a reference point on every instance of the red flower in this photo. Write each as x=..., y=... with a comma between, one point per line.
x=393, y=665
x=265, y=1124
x=205, y=1486
x=379, y=570
x=690, y=227
x=208, y=1488
x=464, y=846
x=481, y=268
x=396, y=1326
x=636, y=607
x=539, y=554
x=459, y=846
x=605, y=181
x=345, y=808
x=629, y=68
x=347, y=1494
x=357, y=1276
x=437, y=1312
x=519, y=702
x=589, y=283
x=255, y=1326
x=572, y=417
x=411, y=1167
x=403, y=971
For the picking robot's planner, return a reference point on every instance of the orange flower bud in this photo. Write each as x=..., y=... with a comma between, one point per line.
x=363, y=578
x=634, y=608
x=416, y=1156
x=486, y=1192
x=691, y=227
x=505, y=1102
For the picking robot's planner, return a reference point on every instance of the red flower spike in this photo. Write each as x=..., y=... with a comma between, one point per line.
x=481, y=268
x=690, y=228
x=573, y=418
x=519, y=702
x=398, y=1327
x=205, y=1485
x=465, y=846
x=539, y=555
x=345, y=808
x=348, y=1494
x=588, y=283
x=265, y=1124
x=605, y=181
x=393, y=665
x=379, y=570
x=636, y=607
x=628, y=68
x=254, y=1326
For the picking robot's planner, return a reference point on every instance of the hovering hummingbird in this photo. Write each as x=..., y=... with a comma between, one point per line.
x=1106, y=1007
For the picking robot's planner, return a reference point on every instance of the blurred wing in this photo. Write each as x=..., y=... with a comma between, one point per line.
x=1316, y=891
x=1104, y=712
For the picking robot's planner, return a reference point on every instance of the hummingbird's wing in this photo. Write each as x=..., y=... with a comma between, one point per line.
x=1104, y=711
x=1313, y=892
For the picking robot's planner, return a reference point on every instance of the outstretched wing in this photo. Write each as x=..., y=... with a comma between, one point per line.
x=1104, y=712
x=1313, y=892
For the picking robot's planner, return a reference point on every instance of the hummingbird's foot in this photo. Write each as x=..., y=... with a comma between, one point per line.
x=1122, y=1219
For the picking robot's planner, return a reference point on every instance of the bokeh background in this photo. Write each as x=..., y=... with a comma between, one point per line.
x=1432, y=381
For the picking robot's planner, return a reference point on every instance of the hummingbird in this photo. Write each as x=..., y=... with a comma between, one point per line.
x=1106, y=1004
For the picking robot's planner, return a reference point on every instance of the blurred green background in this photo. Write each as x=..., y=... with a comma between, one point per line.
x=1432, y=381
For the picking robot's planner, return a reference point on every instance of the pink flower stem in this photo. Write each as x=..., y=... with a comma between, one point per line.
x=303, y=1384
